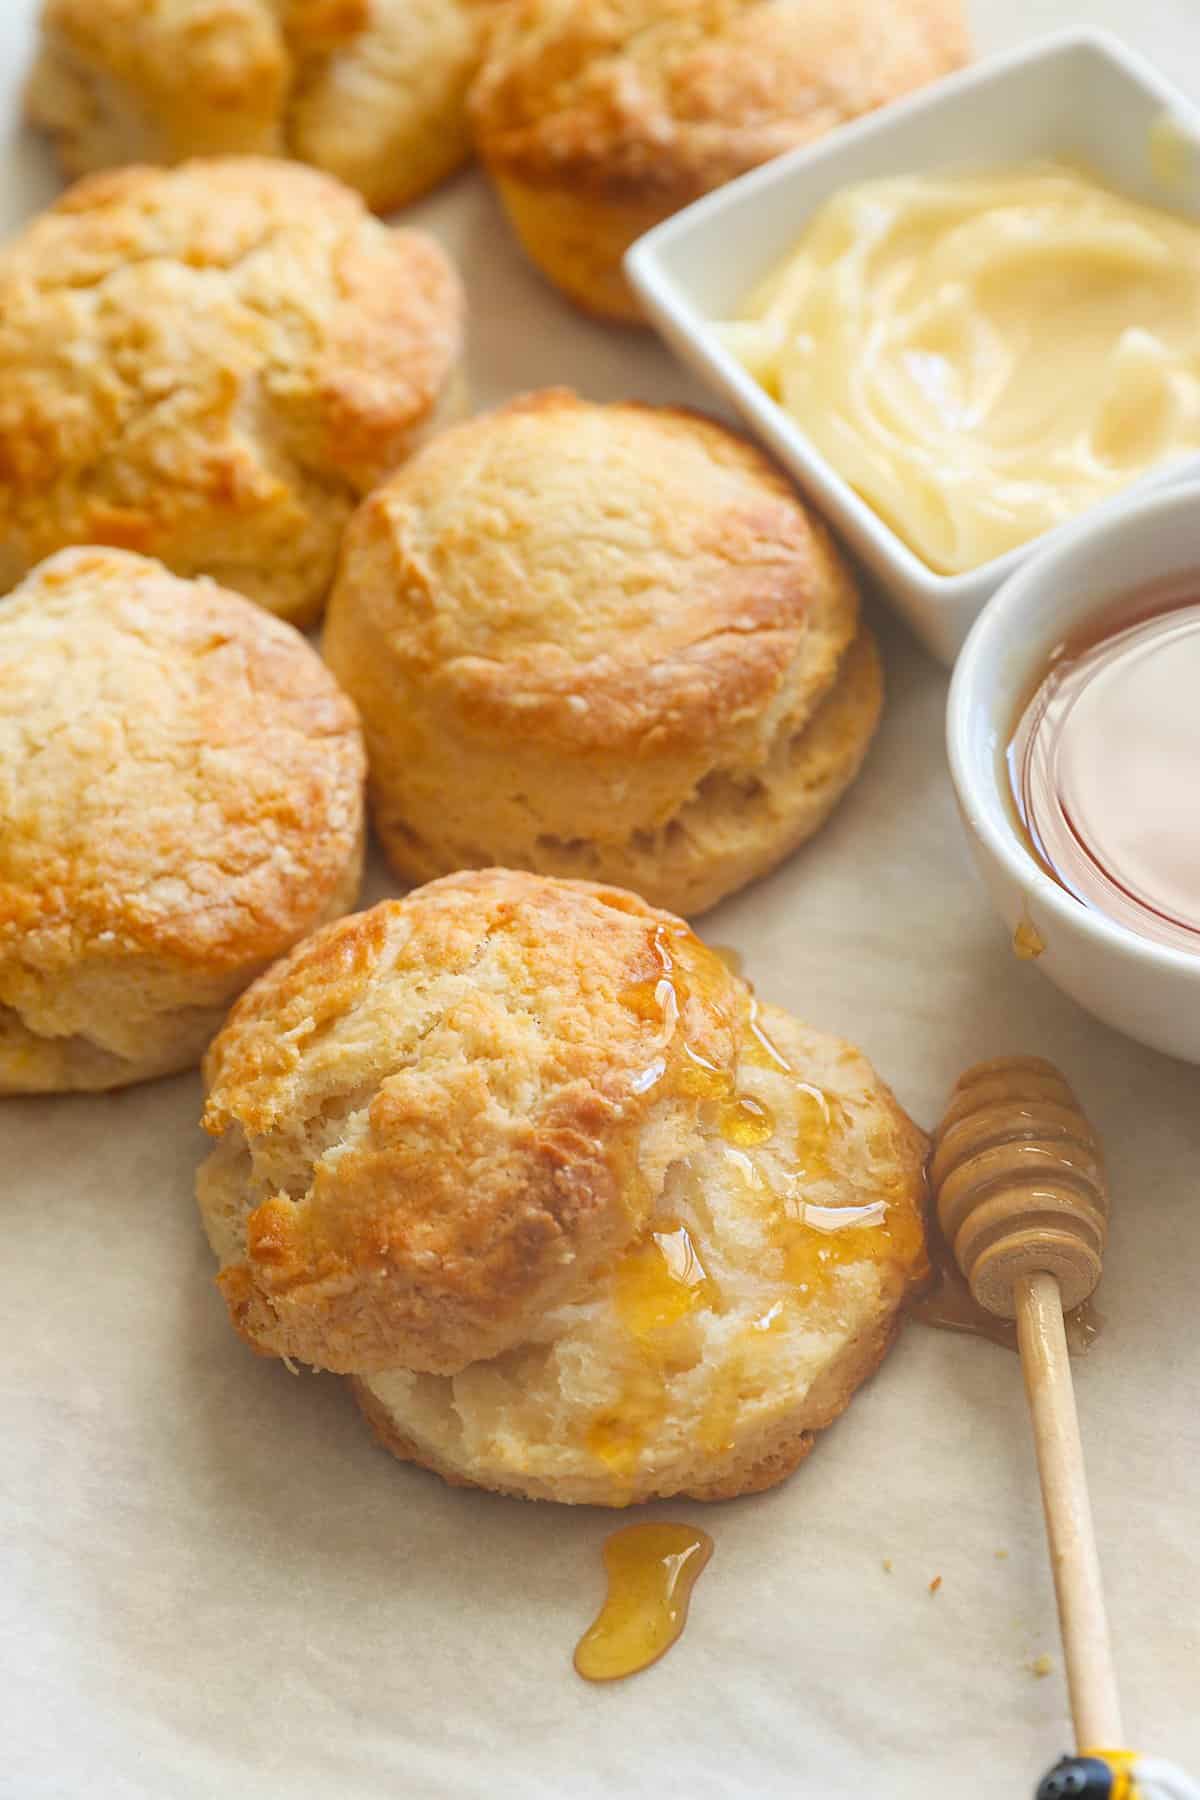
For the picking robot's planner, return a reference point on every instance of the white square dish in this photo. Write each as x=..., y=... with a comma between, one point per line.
x=1081, y=96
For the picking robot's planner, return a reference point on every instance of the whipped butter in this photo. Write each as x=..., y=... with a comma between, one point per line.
x=984, y=355
x=1105, y=768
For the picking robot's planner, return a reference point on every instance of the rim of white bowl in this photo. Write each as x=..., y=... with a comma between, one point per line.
x=989, y=640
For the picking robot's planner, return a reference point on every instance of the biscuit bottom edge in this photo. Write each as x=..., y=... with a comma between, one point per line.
x=762, y=1465
x=579, y=243
x=735, y=828
x=32, y=1063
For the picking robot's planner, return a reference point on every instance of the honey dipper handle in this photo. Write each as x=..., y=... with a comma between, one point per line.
x=1082, y=1621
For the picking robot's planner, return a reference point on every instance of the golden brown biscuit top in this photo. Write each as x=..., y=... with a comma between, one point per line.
x=643, y=94
x=616, y=577
x=455, y=1106
x=179, y=773
x=227, y=304
x=214, y=51
x=317, y=24
x=217, y=46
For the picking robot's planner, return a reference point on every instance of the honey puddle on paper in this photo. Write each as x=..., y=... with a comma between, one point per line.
x=651, y=1571
x=946, y=1303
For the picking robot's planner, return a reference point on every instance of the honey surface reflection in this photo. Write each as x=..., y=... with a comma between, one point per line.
x=651, y=1572
x=661, y=1279
x=1104, y=760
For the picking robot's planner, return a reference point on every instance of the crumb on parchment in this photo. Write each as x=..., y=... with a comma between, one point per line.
x=935, y=1584
x=887, y=1565
x=1000, y=1555
x=1041, y=1666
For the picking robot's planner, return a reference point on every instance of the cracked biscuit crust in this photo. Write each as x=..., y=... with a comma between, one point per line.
x=180, y=801
x=372, y=91
x=210, y=365
x=591, y=640
x=438, y=1117
x=597, y=118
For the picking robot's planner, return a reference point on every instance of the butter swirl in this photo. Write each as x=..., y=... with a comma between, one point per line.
x=984, y=355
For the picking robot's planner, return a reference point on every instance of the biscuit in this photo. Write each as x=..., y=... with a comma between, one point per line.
x=372, y=91
x=210, y=365
x=599, y=118
x=180, y=801
x=583, y=1221
x=386, y=110
x=600, y=641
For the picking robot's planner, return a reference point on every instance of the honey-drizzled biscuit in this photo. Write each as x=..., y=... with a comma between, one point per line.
x=372, y=91
x=602, y=642
x=181, y=799
x=210, y=365
x=582, y=1220
x=599, y=118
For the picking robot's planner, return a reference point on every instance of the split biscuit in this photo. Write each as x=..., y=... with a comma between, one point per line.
x=582, y=1220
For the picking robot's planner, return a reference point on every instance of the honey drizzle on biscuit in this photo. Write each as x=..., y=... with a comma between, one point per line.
x=661, y=999
x=819, y=1240
x=661, y=1281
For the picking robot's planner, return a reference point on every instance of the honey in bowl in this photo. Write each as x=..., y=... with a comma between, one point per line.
x=1104, y=765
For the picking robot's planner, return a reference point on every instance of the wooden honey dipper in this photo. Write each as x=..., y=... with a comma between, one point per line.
x=1019, y=1187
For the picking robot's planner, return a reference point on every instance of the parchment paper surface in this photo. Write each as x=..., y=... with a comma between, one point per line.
x=215, y=1585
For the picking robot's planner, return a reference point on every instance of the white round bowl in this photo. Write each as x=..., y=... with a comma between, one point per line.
x=1150, y=991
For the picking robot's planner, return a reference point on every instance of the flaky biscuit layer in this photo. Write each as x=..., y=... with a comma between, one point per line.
x=765, y=1287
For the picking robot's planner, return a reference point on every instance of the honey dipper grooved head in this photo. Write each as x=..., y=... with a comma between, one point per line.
x=1018, y=1182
